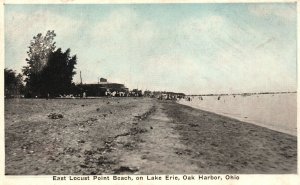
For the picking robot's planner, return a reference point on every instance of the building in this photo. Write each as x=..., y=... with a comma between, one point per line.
x=103, y=80
x=104, y=88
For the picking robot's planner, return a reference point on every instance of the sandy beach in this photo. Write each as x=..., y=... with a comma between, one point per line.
x=137, y=136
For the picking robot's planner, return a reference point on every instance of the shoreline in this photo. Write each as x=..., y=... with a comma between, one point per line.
x=274, y=128
x=268, y=114
x=220, y=144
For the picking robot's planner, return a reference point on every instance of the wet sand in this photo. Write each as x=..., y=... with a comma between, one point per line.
x=274, y=111
x=219, y=144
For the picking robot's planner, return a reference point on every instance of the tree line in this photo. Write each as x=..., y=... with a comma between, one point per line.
x=48, y=72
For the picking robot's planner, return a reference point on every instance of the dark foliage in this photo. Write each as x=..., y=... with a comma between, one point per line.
x=13, y=83
x=57, y=75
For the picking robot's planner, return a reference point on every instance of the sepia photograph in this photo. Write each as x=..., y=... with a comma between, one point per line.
x=150, y=89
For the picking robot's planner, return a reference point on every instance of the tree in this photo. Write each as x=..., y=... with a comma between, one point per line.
x=58, y=74
x=48, y=70
x=12, y=82
x=39, y=50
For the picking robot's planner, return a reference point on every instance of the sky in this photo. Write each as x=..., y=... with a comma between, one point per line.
x=189, y=48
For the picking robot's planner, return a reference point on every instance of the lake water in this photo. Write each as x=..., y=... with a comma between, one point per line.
x=274, y=111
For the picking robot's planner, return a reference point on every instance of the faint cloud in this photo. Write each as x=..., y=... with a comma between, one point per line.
x=19, y=24
x=20, y=28
x=269, y=40
x=121, y=24
x=266, y=10
x=210, y=26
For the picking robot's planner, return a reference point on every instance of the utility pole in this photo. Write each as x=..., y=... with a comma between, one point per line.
x=80, y=78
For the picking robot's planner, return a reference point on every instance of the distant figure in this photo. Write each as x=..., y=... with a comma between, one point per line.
x=219, y=97
x=84, y=95
x=48, y=95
